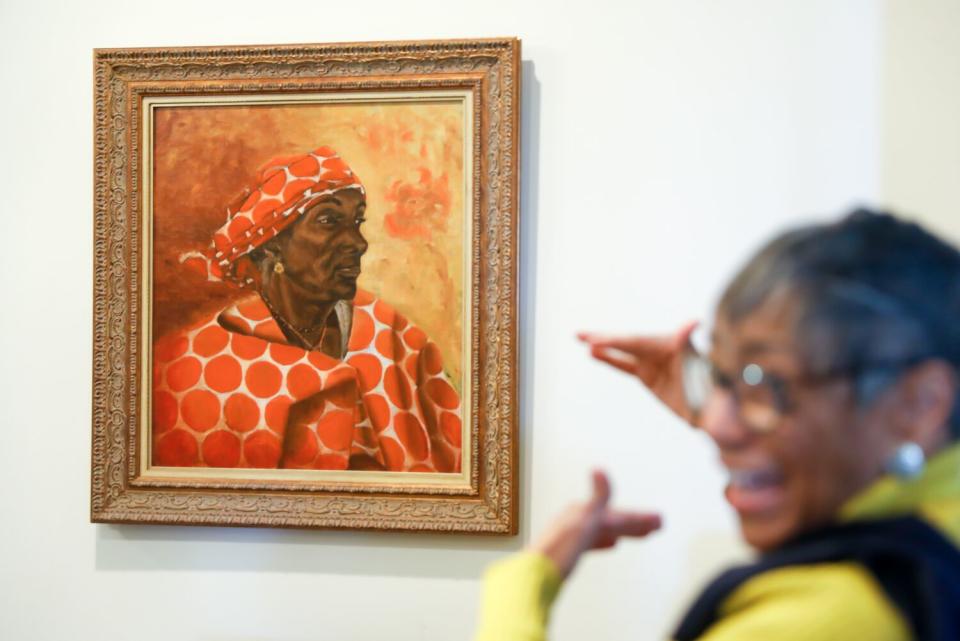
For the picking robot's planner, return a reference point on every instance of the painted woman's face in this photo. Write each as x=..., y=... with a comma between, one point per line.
x=321, y=253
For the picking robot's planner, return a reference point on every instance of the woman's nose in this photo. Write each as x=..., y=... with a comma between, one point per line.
x=722, y=421
x=354, y=241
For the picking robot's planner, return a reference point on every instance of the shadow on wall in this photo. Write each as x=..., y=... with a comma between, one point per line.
x=165, y=548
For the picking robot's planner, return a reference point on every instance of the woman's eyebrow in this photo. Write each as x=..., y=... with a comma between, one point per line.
x=753, y=348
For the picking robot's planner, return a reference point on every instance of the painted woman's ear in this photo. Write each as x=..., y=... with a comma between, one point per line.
x=266, y=255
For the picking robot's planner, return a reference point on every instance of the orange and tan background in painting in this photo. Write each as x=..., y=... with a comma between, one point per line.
x=409, y=157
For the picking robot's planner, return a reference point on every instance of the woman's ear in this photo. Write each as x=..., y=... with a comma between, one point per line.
x=267, y=254
x=927, y=394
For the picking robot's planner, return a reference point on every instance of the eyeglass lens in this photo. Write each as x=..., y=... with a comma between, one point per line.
x=758, y=400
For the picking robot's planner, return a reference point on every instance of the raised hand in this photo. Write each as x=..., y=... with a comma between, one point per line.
x=656, y=360
x=591, y=526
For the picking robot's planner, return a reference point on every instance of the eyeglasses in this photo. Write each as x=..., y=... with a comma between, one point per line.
x=763, y=399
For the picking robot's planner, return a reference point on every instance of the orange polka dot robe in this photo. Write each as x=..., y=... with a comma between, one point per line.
x=232, y=392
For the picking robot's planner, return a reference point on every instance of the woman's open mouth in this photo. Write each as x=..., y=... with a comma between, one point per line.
x=347, y=272
x=755, y=490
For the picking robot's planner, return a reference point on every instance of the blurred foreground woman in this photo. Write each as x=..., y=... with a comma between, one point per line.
x=830, y=390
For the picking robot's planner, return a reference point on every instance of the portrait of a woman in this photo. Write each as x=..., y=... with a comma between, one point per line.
x=304, y=370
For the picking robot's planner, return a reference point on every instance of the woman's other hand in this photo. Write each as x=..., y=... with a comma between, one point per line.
x=656, y=360
x=591, y=526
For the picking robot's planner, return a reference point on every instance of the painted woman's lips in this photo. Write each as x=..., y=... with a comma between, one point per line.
x=349, y=271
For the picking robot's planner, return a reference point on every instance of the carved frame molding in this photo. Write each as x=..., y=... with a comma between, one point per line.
x=491, y=69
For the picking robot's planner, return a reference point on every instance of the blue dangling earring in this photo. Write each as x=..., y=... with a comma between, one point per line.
x=907, y=461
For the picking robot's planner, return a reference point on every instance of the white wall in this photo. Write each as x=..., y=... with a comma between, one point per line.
x=662, y=141
x=921, y=111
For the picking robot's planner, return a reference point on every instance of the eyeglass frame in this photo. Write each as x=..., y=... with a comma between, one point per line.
x=698, y=371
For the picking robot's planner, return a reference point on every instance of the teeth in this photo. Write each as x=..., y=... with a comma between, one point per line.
x=754, y=479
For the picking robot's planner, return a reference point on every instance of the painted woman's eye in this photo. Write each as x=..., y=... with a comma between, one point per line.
x=327, y=218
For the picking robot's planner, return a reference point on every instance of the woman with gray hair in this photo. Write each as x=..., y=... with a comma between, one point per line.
x=830, y=390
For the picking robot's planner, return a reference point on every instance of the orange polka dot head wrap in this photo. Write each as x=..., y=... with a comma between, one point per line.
x=286, y=187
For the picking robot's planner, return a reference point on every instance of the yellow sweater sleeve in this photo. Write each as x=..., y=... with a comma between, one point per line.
x=801, y=603
x=516, y=599
x=810, y=603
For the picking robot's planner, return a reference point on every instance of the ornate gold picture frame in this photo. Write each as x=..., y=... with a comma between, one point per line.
x=305, y=286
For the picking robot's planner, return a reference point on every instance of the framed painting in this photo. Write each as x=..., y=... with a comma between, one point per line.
x=305, y=286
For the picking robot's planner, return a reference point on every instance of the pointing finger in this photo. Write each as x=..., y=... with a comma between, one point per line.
x=601, y=489
x=619, y=523
x=623, y=364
